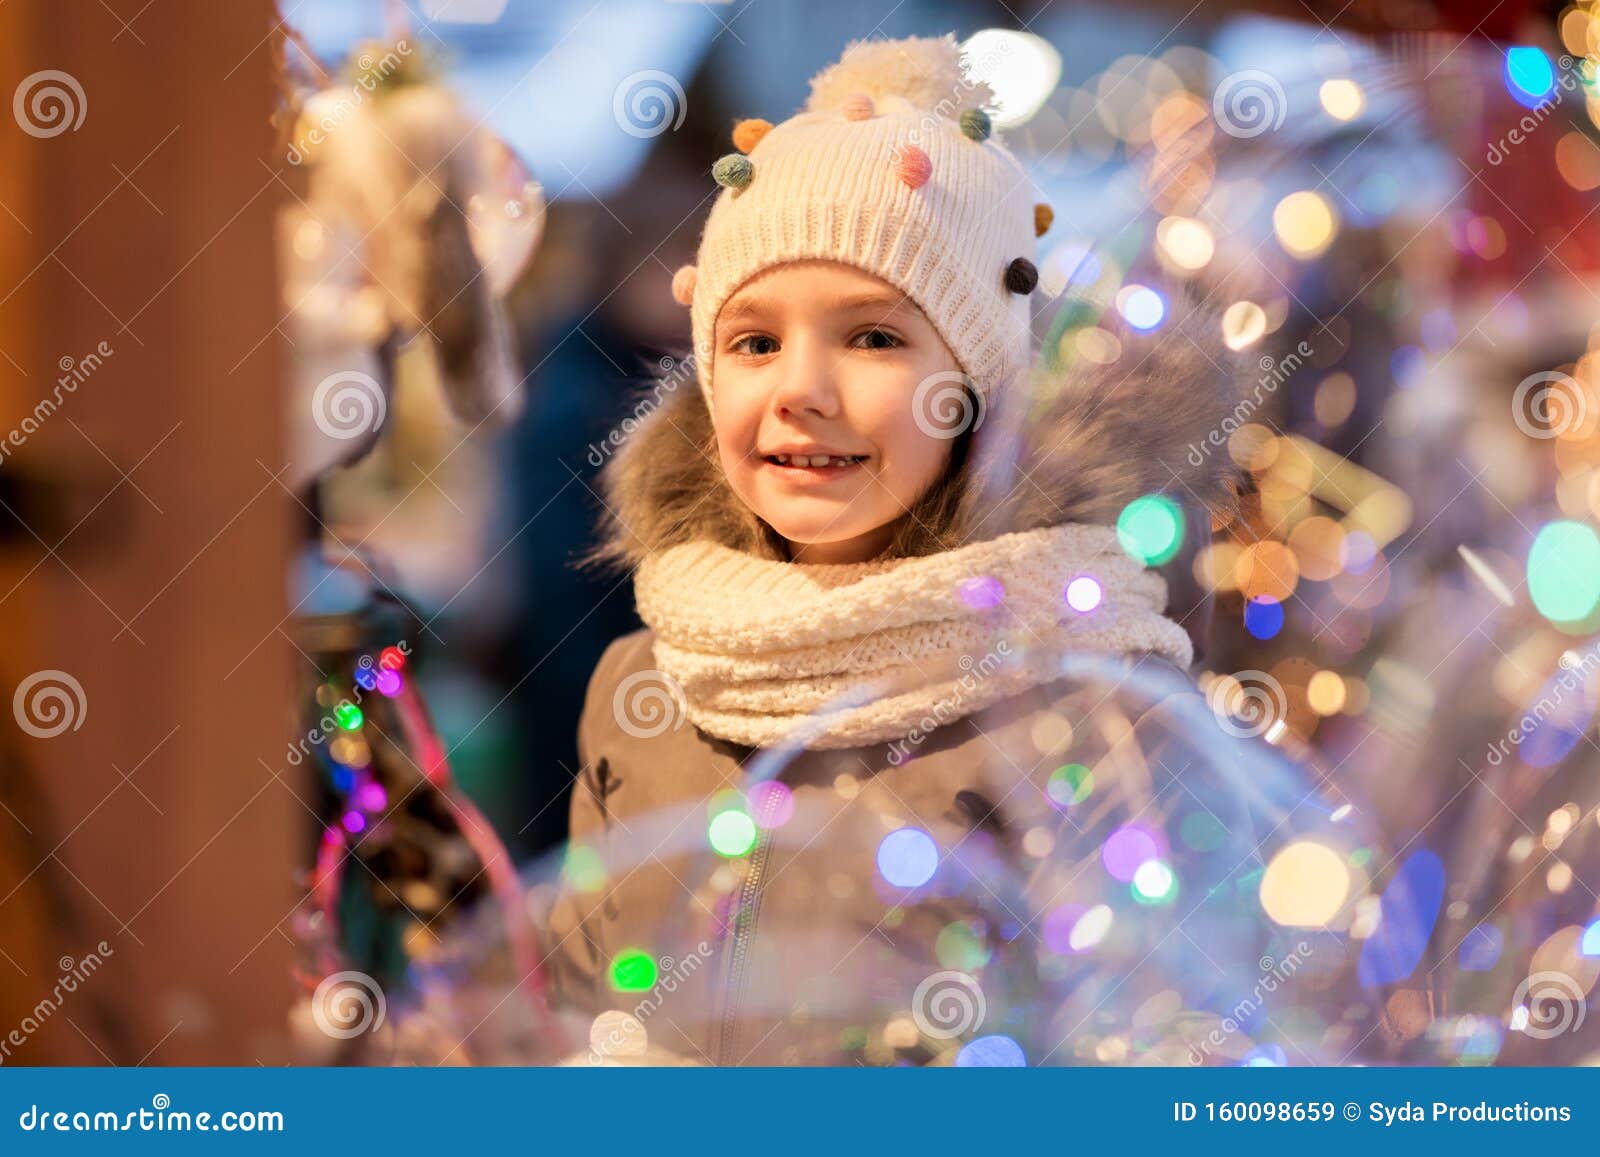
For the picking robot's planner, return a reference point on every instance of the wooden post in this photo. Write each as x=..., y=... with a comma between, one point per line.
x=143, y=552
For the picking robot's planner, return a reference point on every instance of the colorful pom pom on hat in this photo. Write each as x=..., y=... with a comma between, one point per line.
x=894, y=167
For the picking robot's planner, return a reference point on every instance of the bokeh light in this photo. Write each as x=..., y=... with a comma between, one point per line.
x=1126, y=849
x=1342, y=98
x=1084, y=594
x=1150, y=529
x=1263, y=617
x=908, y=857
x=1564, y=571
x=1304, y=223
x=1305, y=885
x=1530, y=77
x=991, y=1052
x=732, y=833
x=633, y=971
x=1142, y=306
x=1243, y=324
x=772, y=803
x=1154, y=883
x=1070, y=784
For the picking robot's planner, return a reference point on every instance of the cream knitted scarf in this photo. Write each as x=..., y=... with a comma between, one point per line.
x=848, y=655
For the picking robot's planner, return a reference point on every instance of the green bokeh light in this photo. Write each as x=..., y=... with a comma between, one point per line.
x=732, y=833
x=1564, y=571
x=1202, y=831
x=961, y=947
x=632, y=971
x=1154, y=883
x=584, y=868
x=1151, y=529
x=349, y=716
x=1071, y=784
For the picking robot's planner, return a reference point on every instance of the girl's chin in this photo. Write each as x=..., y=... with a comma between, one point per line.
x=824, y=541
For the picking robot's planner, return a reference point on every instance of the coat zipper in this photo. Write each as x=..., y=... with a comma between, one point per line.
x=744, y=929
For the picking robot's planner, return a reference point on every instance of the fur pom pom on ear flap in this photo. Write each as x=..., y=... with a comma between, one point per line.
x=924, y=70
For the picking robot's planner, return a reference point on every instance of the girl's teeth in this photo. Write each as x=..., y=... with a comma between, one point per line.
x=813, y=460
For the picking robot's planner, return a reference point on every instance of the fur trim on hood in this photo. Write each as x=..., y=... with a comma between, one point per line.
x=1077, y=445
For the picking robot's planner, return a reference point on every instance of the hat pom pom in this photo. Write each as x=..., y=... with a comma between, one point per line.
x=975, y=124
x=921, y=69
x=1021, y=276
x=683, y=285
x=913, y=166
x=858, y=107
x=733, y=171
x=747, y=134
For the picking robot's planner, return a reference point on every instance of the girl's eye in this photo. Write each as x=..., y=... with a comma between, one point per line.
x=877, y=339
x=756, y=345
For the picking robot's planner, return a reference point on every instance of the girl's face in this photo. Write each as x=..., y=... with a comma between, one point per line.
x=820, y=427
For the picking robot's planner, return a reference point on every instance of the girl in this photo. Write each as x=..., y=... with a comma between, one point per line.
x=897, y=773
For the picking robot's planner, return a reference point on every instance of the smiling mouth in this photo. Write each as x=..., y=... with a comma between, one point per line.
x=820, y=463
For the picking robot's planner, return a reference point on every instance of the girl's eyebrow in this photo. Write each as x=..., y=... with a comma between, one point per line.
x=741, y=308
x=885, y=303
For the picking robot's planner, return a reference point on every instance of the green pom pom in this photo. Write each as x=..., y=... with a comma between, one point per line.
x=976, y=124
x=733, y=171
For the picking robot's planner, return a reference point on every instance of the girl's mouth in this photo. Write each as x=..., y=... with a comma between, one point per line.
x=818, y=466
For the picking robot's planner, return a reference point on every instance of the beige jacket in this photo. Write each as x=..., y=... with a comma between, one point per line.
x=801, y=952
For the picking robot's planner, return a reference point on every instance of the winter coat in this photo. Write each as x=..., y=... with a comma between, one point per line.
x=1032, y=926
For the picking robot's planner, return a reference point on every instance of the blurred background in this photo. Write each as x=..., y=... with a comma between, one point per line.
x=476, y=207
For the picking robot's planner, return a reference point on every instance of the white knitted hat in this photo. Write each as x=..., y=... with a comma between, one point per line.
x=892, y=168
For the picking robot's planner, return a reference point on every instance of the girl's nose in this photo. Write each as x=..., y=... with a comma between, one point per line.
x=806, y=383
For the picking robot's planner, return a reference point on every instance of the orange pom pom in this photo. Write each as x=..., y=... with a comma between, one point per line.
x=683, y=285
x=1043, y=215
x=747, y=134
x=858, y=107
x=913, y=166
